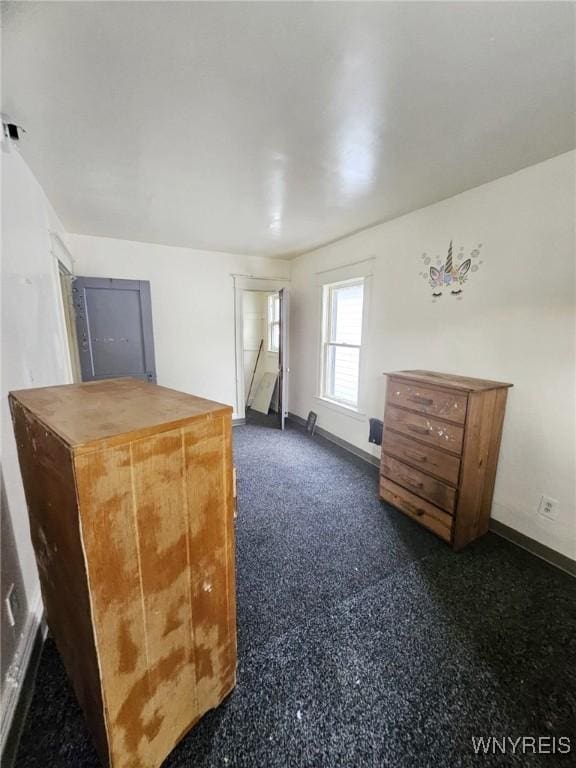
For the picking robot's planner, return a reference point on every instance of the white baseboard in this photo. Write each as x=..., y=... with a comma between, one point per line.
x=17, y=671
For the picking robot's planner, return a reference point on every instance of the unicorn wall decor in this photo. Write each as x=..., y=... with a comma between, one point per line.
x=450, y=276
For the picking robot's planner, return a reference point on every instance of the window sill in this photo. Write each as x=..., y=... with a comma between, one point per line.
x=345, y=410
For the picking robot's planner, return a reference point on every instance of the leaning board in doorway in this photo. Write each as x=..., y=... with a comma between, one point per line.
x=264, y=392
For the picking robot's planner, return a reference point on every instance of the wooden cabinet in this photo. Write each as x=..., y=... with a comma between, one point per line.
x=440, y=450
x=130, y=496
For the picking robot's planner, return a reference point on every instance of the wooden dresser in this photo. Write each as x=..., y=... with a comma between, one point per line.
x=440, y=450
x=129, y=492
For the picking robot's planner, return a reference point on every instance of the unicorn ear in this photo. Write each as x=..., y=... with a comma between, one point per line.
x=434, y=273
x=464, y=267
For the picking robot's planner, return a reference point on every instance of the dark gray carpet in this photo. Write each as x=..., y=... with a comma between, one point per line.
x=363, y=640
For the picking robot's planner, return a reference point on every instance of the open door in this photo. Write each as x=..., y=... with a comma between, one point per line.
x=114, y=328
x=283, y=368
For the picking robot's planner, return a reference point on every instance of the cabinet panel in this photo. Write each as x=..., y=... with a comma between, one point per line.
x=48, y=477
x=108, y=516
x=156, y=517
x=481, y=449
x=210, y=507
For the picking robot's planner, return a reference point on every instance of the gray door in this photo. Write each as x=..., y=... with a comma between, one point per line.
x=114, y=328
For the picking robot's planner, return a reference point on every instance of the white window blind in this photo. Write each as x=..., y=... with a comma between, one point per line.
x=343, y=311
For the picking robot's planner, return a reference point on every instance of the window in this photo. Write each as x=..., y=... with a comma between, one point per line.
x=342, y=307
x=273, y=322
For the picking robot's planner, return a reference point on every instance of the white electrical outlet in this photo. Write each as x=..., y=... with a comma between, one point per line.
x=548, y=508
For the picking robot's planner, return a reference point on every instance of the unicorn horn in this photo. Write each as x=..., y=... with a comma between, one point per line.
x=448, y=267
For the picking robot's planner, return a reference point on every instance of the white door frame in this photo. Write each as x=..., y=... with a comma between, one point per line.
x=63, y=264
x=247, y=283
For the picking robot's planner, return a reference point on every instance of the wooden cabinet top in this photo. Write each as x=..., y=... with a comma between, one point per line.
x=462, y=383
x=113, y=411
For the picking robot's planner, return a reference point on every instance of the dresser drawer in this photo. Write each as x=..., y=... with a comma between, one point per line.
x=417, y=482
x=429, y=459
x=420, y=510
x=432, y=402
x=425, y=428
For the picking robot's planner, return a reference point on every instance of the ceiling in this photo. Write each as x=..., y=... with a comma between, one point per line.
x=271, y=128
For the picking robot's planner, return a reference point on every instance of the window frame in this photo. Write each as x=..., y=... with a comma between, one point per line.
x=273, y=298
x=328, y=290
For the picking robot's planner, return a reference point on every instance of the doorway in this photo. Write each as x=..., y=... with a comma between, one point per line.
x=261, y=318
x=261, y=346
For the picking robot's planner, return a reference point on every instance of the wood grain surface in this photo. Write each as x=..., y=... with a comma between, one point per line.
x=115, y=411
x=440, y=450
x=135, y=545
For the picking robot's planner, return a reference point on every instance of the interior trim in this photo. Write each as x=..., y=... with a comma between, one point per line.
x=563, y=562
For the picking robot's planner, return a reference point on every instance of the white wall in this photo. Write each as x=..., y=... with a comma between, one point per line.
x=34, y=354
x=192, y=305
x=34, y=345
x=515, y=323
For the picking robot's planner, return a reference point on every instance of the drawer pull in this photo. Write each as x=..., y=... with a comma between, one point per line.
x=416, y=456
x=419, y=430
x=414, y=483
x=414, y=510
x=420, y=400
